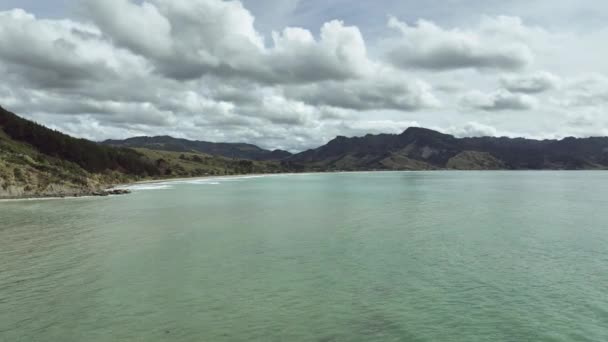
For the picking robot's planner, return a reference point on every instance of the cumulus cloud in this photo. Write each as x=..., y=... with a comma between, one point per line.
x=428, y=46
x=192, y=38
x=384, y=90
x=530, y=84
x=202, y=69
x=111, y=111
x=500, y=100
x=63, y=53
x=188, y=38
x=586, y=91
x=473, y=129
x=339, y=54
x=140, y=28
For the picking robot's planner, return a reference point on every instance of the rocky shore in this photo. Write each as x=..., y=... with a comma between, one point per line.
x=15, y=193
x=111, y=192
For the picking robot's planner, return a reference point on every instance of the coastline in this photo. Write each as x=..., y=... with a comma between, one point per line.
x=180, y=179
x=110, y=191
x=123, y=188
x=119, y=189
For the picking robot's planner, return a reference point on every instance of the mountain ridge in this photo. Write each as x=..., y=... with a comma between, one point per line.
x=229, y=150
x=422, y=148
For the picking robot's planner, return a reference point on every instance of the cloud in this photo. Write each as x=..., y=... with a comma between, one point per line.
x=428, y=46
x=473, y=129
x=530, y=84
x=190, y=39
x=63, y=53
x=202, y=69
x=382, y=91
x=183, y=39
x=140, y=28
x=339, y=54
x=111, y=112
x=500, y=100
x=586, y=91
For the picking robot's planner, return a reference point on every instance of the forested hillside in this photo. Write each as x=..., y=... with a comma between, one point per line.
x=89, y=155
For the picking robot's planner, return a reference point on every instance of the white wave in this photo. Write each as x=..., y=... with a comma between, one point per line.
x=168, y=184
x=206, y=183
x=212, y=180
x=143, y=187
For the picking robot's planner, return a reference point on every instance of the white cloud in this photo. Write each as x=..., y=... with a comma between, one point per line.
x=428, y=46
x=530, y=84
x=473, y=129
x=63, y=53
x=297, y=57
x=202, y=69
x=197, y=37
x=386, y=89
x=586, y=91
x=498, y=101
x=142, y=29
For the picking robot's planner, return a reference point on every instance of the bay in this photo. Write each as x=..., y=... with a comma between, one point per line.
x=387, y=256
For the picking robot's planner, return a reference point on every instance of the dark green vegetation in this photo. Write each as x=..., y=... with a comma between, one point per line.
x=424, y=149
x=37, y=161
x=88, y=155
x=25, y=171
x=229, y=150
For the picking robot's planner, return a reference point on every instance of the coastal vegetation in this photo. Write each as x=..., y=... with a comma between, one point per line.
x=36, y=161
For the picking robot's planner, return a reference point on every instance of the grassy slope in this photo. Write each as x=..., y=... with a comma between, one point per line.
x=38, y=162
x=190, y=164
x=25, y=171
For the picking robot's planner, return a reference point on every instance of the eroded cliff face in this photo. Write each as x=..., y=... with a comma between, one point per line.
x=35, y=186
x=24, y=176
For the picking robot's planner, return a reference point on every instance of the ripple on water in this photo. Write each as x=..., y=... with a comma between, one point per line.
x=324, y=257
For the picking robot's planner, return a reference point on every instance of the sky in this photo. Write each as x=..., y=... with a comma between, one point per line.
x=293, y=74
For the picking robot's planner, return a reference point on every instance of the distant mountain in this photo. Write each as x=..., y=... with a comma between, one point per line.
x=424, y=149
x=229, y=150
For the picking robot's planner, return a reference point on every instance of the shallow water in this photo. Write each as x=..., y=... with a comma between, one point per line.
x=398, y=256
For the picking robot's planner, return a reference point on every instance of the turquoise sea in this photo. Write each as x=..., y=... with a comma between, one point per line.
x=391, y=256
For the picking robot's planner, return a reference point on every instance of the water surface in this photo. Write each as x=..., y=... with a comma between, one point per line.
x=398, y=256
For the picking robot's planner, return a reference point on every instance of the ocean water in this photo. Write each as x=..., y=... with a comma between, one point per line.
x=396, y=256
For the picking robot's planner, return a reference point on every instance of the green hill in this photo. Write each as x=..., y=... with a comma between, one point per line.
x=229, y=150
x=36, y=161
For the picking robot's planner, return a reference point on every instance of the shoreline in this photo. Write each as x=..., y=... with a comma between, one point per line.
x=123, y=188
x=169, y=180
x=106, y=192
